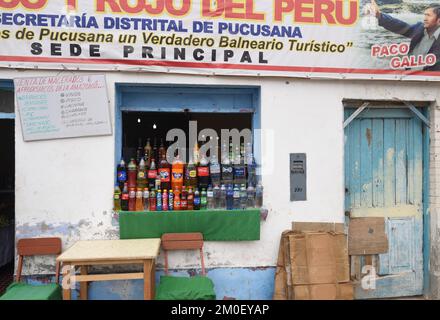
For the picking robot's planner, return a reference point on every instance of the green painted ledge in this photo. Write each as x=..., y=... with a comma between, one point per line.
x=216, y=225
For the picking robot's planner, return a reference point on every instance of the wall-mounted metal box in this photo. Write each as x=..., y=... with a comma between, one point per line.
x=298, y=177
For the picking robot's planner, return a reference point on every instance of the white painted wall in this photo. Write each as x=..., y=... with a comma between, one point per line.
x=64, y=187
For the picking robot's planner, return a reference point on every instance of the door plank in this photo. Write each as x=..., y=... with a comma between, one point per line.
x=378, y=185
x=355, y=156
x=366, y=165
x=389, y=163
x=401, y=161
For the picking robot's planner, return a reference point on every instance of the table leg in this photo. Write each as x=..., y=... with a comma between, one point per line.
x=67, y=294
x=83, y=285
x=147, y=280
x=153, y=279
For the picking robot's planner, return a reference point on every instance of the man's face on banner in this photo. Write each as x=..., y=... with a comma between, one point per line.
x=431, y=20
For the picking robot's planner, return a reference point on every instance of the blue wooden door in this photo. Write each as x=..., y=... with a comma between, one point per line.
x=384, y=178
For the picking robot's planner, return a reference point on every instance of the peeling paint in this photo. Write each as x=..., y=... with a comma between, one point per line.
x=369, y=136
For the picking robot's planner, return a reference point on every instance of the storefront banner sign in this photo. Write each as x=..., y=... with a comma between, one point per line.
x=64, y=106
x=305, y=38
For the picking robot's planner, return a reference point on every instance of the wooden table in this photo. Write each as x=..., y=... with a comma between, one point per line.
x=110, y=252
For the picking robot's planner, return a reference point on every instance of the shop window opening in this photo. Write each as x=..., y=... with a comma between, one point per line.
x=160, y=174
x=7, y=188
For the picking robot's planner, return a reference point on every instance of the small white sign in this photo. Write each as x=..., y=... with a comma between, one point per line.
x=63, y=106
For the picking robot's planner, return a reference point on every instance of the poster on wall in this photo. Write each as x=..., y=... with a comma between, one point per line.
x=366, y=39
x=64, y=106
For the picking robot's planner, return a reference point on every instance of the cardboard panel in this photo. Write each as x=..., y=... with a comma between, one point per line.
x=367, y=236
x=318, y=227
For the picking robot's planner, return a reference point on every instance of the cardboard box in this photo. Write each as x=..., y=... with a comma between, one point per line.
x=342, y=291
x=318, y=227
x=319, y=258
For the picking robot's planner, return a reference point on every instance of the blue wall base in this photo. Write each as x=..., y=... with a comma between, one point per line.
x=230, y=283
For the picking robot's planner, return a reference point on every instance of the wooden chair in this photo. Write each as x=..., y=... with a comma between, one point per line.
x=34, y=247
x=184, y=288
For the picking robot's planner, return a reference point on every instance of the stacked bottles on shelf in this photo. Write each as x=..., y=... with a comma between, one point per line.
x=151, y=183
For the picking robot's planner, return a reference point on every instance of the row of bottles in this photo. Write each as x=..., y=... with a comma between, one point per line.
x=145, y=172
x=224, y=197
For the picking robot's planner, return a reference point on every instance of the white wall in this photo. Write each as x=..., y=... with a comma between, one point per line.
x=64, y=187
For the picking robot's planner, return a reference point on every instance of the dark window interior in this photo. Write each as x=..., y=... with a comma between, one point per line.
x=133, y=130
x=6, y=101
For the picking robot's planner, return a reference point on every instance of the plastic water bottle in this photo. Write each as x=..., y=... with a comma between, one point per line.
x=243, y=197
x=222, y=202
x=250, y=197
x=210, y=198
x=259, y=196
x=217, y=195
x=158, y=200
x=236, y=198
x=230, y=197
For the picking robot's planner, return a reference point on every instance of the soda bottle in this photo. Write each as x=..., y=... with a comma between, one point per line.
x=146, y=199
x=165, y=200
x=222, y=201
x=139, y=200
x=132, y=174
x=190, y=199
x=210, y=198
x=157, y=183
x=158, y=200
x=184, y=199
x=148, y=151
x=122, y=174
x=250, y=196
x=243, y=197
x=227, y=172
x=153, y=200
x=124, y=198
x=117, y=199
x=230, y=197
x=236, y=197
x=197, y=201
x=215, y=172
x=152, y=175
x=203, y=200
x=251, y=172
x=164, y=173
x=162, y=150
x=177, y=173
x=259, y=195
x=131, y=199
x=239, y=171
x=139, y=151
x=177, y=202
x=171, y=200
x=191, y=175
x=142, y=175
x=203, y=174
x=155, y=149
x=217, y=196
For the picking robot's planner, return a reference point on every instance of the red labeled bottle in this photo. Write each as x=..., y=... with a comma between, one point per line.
x=153, y=201
x=203, y=174
x=132, y=174
x=184, y=199
x=190, y=199
x=152, y=175
x=124, y=198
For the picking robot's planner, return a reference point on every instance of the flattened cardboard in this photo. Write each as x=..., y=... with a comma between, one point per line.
x=318, y=227
x=281, y=281
x=319, y=258
x=367, y=236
